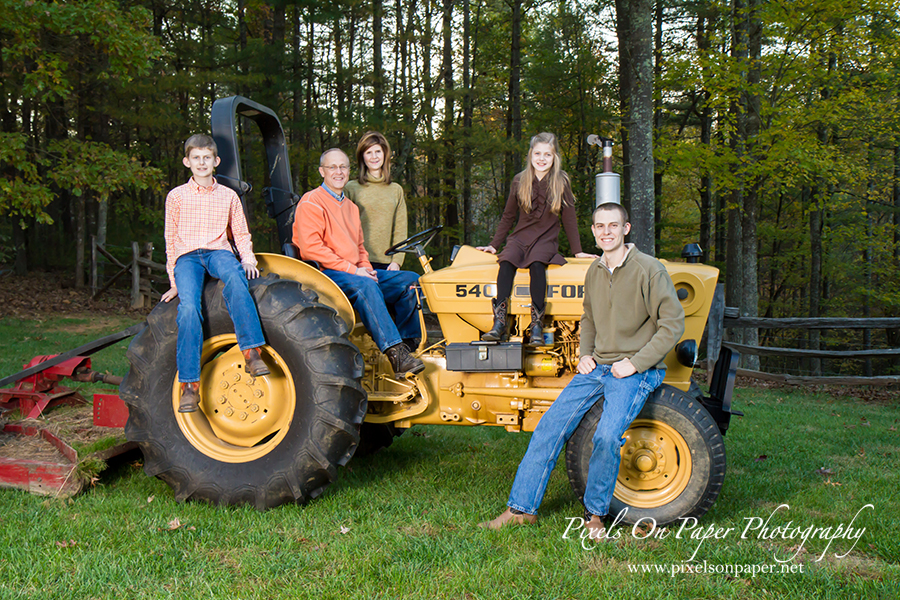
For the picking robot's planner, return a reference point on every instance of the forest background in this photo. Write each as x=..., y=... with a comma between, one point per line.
x=768, y=132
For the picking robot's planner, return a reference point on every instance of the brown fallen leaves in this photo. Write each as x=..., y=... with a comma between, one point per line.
x=53, y=294
x=176, y=524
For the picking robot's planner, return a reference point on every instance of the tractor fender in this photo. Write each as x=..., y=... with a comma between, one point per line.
x=296, y=270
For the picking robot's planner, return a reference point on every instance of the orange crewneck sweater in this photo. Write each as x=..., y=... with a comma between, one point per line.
x=329, y=232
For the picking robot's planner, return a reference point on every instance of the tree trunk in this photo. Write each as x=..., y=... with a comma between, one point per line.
x=242, y=45
x=893, y=335
x=467, y=131
x=340, y=81
x=350, y=81
x=448, y=190
x=275, y=65
x=734, y=263
x=750, y=242
x=513, y=163
x=707, y=216
x=658, y=166
x=297, y=74
x=635, y=33
x=377, y=71
x=820, y=196
x=80, y=235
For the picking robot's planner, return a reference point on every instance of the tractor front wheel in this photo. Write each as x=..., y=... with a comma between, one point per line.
x=262, y=441
x=673, y=459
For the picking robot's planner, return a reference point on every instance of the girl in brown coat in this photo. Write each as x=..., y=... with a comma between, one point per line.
x=541, y=197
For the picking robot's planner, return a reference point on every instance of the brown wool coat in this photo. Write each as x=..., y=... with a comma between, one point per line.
x=536, y=235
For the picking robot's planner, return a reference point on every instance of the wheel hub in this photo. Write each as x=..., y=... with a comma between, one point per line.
x=655, y=467
x=241, y=417
x=238, y=406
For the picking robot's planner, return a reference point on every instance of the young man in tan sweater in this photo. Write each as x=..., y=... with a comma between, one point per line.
x=632, y=319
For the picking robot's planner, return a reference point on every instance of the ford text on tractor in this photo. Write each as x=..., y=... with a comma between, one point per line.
x=280, y=438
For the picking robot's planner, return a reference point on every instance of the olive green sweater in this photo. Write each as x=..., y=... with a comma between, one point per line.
x=632, y=312
x=382, y=211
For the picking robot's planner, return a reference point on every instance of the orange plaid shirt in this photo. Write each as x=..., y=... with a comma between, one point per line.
x=201, y=218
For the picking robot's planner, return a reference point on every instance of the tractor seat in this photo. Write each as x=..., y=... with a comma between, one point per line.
x=290, y=249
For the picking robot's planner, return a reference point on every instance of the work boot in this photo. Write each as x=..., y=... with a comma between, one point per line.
x=498, y=331
x=595, y=527
x=190, y=397
x=402, y=362
x=253, y=363
x=510, y=516
x=412, y=343
x=536, y=329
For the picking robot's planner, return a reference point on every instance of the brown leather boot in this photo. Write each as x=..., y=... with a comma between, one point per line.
x=253, y=363
x=536, y=329
x=596, y=528
x=402, y=361
x=508, y=517
x=498, y=330
x=190, y=397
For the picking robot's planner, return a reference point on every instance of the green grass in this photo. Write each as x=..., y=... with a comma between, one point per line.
x=401, y=523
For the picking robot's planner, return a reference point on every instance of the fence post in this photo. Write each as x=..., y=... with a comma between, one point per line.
x=136, y=300
x=93, y=265
x=146, y=289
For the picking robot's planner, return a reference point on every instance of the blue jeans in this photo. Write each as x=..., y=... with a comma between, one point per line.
x=375, y=301
x=622, y=401
x=190, y=272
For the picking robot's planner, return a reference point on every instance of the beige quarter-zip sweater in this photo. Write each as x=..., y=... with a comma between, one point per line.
x=632, y=312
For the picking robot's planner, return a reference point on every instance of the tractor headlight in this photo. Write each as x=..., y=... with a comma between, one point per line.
x=686, y=352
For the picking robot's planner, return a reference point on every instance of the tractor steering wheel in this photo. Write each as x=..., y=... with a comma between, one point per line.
x=414, y=244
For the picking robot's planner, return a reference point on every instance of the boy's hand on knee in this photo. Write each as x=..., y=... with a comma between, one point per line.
x=251, y=271
x=171, y=293
x=393, y=267
x=586, y=365
x=622, y=369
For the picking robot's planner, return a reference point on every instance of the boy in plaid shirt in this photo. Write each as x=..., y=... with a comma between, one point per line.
x=199, y=217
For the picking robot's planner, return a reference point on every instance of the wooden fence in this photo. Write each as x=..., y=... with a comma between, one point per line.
x=722, y=318
x=141, y=267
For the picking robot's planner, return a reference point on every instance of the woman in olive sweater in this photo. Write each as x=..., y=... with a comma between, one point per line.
x=382, y=204
x=382, y=212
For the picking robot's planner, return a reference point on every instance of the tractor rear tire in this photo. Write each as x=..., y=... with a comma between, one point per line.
x=678, y=448
x=312, y=402
x=376, y=436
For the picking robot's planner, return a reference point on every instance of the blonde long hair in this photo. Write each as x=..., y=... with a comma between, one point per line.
x=369, y=139
x=558, y=177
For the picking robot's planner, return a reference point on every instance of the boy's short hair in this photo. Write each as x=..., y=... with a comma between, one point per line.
x=611, y=206
x=200, y=140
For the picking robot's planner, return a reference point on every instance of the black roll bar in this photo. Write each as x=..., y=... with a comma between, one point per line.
x=279, y=195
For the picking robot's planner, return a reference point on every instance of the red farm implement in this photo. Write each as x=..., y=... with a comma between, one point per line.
x=57, y=452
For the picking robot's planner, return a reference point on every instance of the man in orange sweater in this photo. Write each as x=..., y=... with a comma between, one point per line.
x=327, y=229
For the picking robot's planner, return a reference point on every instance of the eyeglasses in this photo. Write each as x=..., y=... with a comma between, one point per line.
x=333, y=168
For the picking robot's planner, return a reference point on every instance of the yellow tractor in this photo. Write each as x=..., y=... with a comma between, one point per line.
x=280, y=438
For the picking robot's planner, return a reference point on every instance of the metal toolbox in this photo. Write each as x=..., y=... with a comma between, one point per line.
x=485, y=356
